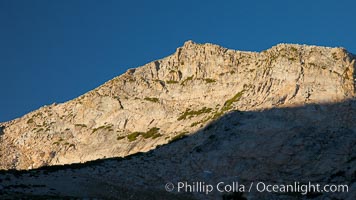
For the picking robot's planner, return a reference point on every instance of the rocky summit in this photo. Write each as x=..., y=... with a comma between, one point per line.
x=204, y=113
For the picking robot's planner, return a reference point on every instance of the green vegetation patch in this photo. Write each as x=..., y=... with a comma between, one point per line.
x=228, y=104
x=179, y=136
x=195, y=123
x=152, y=99
x=120, y=137
x=133, y=136
x=171, y=82
x=104, y=127
x=81, y=125
x=209, y=80
x=152, y=133
x=191, y=113
x=201, y=121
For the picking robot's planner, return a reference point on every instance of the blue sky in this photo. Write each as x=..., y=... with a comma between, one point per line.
x=54, y=51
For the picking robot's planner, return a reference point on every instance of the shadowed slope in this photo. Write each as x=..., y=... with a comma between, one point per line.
x=314, y=143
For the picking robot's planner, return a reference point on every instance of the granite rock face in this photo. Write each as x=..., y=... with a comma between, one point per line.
x=179, y=94
x=205, y=113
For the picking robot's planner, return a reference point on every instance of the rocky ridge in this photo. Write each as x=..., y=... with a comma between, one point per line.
x=172, y=97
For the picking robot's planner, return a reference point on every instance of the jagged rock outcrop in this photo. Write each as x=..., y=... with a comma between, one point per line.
x=153, y=104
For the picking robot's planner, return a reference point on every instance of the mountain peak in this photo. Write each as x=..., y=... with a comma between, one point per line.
x=188, y=43
x=175, y=96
